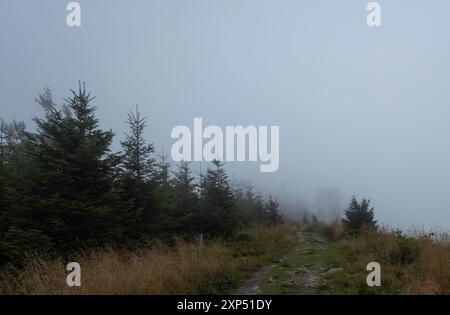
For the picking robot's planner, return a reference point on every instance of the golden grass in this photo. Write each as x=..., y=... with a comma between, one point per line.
x=332, y=231
x=410, y=265
x=434, y=265
x=186, y=269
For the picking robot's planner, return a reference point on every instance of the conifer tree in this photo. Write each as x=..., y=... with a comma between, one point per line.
x=185, y=200
x=359, y=215
x=45, y=100
x=11, y=135
x=162, y=172
x=244, y=200
x=249, y=209
x=273, y=212
x=3, y=181
x=260, y=209
x=61, y=188
x=164, y=198
x=15, y=238
x=2, y=143
x=70, y=189
x=137, y=157
x=134, y=188
x=218, y=216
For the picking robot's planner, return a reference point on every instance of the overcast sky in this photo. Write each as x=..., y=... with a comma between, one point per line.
x=361, y=110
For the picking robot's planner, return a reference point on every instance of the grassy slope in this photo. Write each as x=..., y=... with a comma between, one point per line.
x=408, y=265
x=212, y=268
x=300, y=271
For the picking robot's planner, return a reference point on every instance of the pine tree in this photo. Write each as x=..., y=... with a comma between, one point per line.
x=244, y=200
x=260, y=209
x=13, y=169
x=45, y=100
x=162, y=173
x=273, y=212
x=185, y=201
x=137, y=157
x=249, y=205
x=134, y=188
x=218, y=216
x=2, y=143
x=70, y=190
x=11, y=136
x=4, y=205
x=359, y=215
x=164, y=198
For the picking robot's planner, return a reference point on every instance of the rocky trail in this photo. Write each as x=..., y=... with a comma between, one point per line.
x=303, y=271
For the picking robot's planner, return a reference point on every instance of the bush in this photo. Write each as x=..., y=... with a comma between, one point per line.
x=405, y=252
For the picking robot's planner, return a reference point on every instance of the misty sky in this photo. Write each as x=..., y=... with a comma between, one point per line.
x=361, y=110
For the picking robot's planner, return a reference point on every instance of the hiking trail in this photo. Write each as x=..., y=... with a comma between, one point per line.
x=302, y=271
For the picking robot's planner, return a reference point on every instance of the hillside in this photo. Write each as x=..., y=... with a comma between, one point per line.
x=311, y=259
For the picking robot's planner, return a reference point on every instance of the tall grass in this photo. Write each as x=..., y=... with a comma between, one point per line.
x=187, y=268
x=434, y=277
x=331, y=231
x=418, y=264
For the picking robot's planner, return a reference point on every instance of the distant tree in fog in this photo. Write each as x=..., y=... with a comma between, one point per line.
x=359, y=215
x=273, y=212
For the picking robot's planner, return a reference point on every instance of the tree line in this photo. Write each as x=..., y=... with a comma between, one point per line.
x=62, y=188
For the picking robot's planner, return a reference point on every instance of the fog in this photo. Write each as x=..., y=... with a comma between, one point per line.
x=362, y=111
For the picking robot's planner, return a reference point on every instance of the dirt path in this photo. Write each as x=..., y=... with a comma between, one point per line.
x=252, y=285
x=303, y=271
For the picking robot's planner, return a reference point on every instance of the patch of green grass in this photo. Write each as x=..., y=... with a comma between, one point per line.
x=254, y=248
x=396, y=255
x=309, y=255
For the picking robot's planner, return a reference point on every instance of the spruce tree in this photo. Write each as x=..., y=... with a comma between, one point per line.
x=244, y=201
x=359, y=215
x=137, y=157
x=185, y=201
x=249, y=210
x=2, y=143
x=11, y=136
x=71, y=186
x=3, y=181
x=45, y=100
x=162, y=173
x=260, y=209
x=218, y=216
x=164, y=198
x=16, y=237
x=134, y=188
x=273, y=212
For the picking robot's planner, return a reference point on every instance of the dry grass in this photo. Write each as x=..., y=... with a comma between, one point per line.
x=434, y=265
x=332, y=231
x=410, y=265
x=185, y=269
